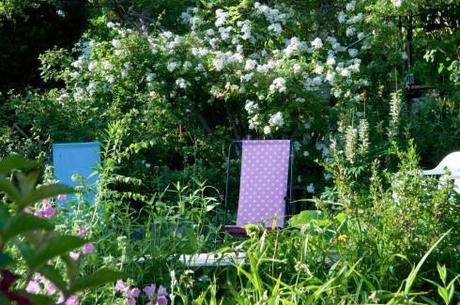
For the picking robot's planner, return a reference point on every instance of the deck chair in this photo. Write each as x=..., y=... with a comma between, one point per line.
x=450, y=162
x=265, y=183
x=264, y=194
x=80, y=159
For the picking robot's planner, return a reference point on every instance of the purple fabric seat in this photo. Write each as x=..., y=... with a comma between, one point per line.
x=263, y=183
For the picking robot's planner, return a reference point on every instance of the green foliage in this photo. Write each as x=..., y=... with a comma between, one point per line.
x=165, y=88
x=35, y=238
x=29, y=28
x=10, y=7
x=379, y=240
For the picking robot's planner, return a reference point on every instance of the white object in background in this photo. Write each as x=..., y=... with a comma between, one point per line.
x=212, y=259
x=450, y=162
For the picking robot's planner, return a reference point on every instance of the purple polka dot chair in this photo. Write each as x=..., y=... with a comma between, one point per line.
x=265, y=184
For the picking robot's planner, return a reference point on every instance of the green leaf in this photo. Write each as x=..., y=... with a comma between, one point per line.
x=5, y=260
x=55, y=246
x=95, y=280
x=3, y=299
x=39, y=299
x=25, y=249
x=451, y=290
x=413, y=274
x=442, y=271
x=341, y=217
x=305, y=217
x=16, y=162
x=26, y=182
x=54, y=276
x=23, y=223
x=10, y=190
x=443, y=294
x=47, y=191
x=4, y=215
x=71, y=266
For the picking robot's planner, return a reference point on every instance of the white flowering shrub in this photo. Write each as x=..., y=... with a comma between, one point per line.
x=283, y=69
x=251, y=54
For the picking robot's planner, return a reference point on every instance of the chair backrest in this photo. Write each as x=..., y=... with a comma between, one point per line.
x=77, y=158
x=263, y=182
x=450, y=162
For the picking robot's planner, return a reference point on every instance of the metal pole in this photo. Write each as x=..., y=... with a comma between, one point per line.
x=227, y=181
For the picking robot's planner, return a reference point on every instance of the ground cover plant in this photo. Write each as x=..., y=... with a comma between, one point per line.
x=367, y=90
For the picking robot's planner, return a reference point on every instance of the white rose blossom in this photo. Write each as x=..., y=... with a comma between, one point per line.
x=350, y=31
x=221, y=17
x=342, y=17
x=350, y=5
x=172, y=66
x=250, y=107
x=317, y=43
x=276, y=120
x=397, y=3
x=278, y=85
x=275, y=28
x=267, y=130
x=353, y=52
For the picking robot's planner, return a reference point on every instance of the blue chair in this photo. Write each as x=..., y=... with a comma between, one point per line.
x=79, y=159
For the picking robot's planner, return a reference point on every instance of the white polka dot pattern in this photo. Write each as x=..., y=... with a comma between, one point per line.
x=263, y=184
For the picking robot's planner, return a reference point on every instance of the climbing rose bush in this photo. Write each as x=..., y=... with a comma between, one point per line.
x=270, y=59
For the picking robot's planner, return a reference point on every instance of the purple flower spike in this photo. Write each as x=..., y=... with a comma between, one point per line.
x=121, y=287
x=33, y=287
x=134, y=293
x=162, y=300
x=88, y=249
x=50, y=288
x=74, y=255
x=131, y=301
x=49, y=212
x=150, y=290
x=162, y=291
x=72, y=300
x=82, y=232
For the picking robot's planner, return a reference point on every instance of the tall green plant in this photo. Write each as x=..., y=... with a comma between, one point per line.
x=30, y=242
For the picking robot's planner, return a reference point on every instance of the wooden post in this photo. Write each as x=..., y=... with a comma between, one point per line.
x=410, y=36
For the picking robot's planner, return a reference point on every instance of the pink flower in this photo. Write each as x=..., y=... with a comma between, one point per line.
x=61, y=197
x=134, y=293
x=162, y=291
x=82, y=232
x=48, y=212
x=72, y=300
x=120, y=286
x=74, y=255
x=162, y=296
x=33, y=287
x=150, y=290
x=162, y=300
x=88, y=249
x=50, y=288
x=37, y=277
x=38, y=213
x=131, y=301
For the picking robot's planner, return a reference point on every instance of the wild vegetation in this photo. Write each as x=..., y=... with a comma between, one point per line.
x=367, y=90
